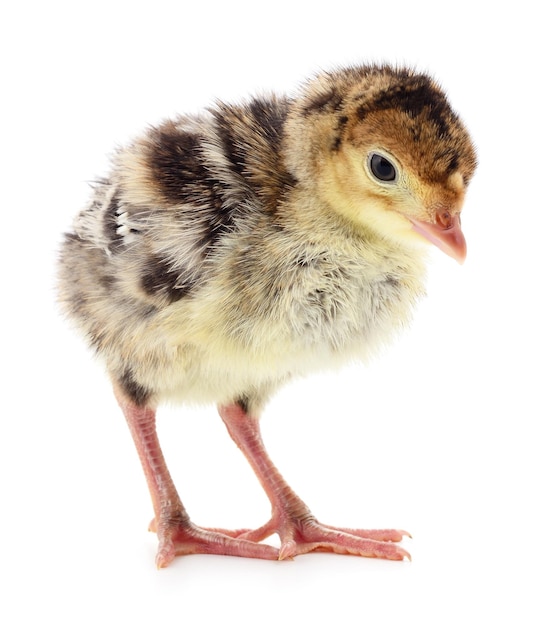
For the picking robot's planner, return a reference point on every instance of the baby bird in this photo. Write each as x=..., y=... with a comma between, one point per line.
x=229, y=251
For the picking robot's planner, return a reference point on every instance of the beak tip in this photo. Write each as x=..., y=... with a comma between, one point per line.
x=449, y=240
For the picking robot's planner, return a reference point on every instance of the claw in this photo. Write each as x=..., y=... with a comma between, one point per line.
x=288, y=550
x=166, y=553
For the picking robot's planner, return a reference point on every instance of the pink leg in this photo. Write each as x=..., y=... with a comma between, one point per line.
x=291, y=519
x=177, y=535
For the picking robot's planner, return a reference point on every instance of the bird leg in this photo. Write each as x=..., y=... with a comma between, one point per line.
x=298, y=529
x=177, y=535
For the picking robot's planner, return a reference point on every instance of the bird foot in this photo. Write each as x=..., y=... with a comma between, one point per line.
x=303, y=535
x=313, y=536
x=178, y=537
x=298, y=529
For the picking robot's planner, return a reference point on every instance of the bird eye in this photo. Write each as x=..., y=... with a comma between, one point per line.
x=382, y=168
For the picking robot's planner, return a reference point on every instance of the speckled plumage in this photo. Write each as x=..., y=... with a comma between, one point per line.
x=228, y=251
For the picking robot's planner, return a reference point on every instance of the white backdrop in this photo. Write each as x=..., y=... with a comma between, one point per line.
x=449, y=435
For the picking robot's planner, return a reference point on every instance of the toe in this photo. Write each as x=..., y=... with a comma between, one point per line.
x=166, y=553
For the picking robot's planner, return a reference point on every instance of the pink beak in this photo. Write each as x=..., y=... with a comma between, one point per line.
x=446, y=234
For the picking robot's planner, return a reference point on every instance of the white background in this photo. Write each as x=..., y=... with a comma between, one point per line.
x=448, y=435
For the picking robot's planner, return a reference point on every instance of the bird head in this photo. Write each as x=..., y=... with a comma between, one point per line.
x=383, y=147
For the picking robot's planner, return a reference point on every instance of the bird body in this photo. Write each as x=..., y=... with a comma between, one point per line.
x=229, y=251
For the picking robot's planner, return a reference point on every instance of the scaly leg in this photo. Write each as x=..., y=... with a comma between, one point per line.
x=177, y=535
x=291, y=519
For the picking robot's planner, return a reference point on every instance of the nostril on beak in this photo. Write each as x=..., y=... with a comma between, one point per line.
x=444, y=218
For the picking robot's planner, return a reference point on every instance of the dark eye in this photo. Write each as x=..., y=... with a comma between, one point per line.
x=381, y=168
